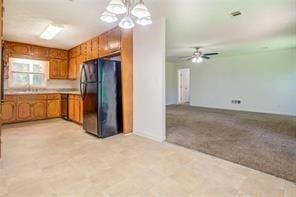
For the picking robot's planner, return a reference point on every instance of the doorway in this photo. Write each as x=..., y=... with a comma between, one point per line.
x=183, y=85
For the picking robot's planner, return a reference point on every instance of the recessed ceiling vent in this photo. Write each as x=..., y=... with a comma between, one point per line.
x=236, y=13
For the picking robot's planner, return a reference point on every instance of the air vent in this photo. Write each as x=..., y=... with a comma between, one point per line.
x=236, y=13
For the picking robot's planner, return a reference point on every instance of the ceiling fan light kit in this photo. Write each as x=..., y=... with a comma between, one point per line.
x=138, y=10
x=198, y=56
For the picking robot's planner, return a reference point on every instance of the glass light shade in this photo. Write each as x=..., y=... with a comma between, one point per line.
x=199, y=60
x=117, y=7
x=126, y=23
x=144, y=21
x=194, y=60
x=108, y=17
x=140, y=10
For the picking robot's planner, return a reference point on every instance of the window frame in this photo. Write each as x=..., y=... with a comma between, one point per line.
x=12, y=61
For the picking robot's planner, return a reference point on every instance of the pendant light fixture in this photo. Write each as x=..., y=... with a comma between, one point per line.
x=138, y=12
x=117, y=7
x=108, y=17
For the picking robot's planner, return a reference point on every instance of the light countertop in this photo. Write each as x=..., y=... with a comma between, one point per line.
x=9, y=92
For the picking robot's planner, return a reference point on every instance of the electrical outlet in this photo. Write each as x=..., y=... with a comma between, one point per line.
x=236, y=101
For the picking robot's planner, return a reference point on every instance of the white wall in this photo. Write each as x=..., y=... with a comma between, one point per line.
x=149, y=80
x=171, y=83
x=264, y=82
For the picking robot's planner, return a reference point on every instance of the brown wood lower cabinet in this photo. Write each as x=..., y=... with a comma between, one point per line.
x=75, y=106
x=20, y=108
x=23, y=111
x=38, y=110
x=31, y=110
x=53, y=108
x=8, y=109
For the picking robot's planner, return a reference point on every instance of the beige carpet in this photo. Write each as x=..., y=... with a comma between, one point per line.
x=263, y=142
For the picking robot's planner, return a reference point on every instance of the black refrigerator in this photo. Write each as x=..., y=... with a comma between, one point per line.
x=100, y=88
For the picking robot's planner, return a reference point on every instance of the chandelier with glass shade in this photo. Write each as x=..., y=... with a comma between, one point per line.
x=128, y=12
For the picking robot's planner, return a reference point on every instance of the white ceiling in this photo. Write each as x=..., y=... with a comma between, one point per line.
x=205, y=23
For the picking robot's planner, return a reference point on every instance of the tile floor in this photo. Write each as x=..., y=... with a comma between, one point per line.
x=56, y=158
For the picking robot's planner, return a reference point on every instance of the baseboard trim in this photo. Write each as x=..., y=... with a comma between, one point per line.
x=154, y=138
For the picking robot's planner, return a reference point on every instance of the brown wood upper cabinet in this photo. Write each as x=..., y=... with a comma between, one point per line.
x=88, y=50
x=58, y=54
x=18, y=49
x=72, y=69
x=58, y=69
x=110, y=42
x=39, y=52
x=76, y=51
x=95, y=48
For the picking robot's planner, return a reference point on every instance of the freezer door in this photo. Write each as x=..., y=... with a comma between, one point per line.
x=91, y=71
x=110, y=98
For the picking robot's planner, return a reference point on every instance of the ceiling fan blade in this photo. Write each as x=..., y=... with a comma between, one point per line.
x=188, y=59
x=182, y=57
x=206, y=57
x=206, y=54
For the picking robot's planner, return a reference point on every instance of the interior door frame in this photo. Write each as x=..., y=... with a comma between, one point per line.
x=180, y=74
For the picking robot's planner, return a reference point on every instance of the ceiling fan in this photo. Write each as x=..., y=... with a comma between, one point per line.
x=198, y=56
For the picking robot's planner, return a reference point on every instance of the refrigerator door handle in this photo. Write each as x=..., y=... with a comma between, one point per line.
x=82, y=83
x=81, y=89
x=2, y=76
x=84, y=91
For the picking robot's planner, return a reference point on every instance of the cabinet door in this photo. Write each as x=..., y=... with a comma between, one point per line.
x=95, y=48
x=88, y=50
x=76, y=109
x=71, y=106
x=83, y=48
x=81, y=110
x=19, y=49
x=8, y=112
x=53, y=108
x=39, y=52
x=72, y=68
x=54, y=69
x=63, y=69
x=38, y=109
x=114, y=37
x=103, y=47
x=58, y=54
x=24, y=111
x=76, y=51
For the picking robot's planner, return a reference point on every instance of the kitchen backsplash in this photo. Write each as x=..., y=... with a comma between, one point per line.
x=54, y=84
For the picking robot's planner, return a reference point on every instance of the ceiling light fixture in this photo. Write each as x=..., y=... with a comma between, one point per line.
x=51, y=31
x=108, y=17
x=116, y=7
x=119, y=7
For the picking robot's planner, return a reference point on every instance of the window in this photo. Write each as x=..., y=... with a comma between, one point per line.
x=27, y=73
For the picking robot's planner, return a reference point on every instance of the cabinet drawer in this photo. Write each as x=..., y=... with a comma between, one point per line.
x=54, y=97
x=10, y=98
x=71, y=96
x=32, y=97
